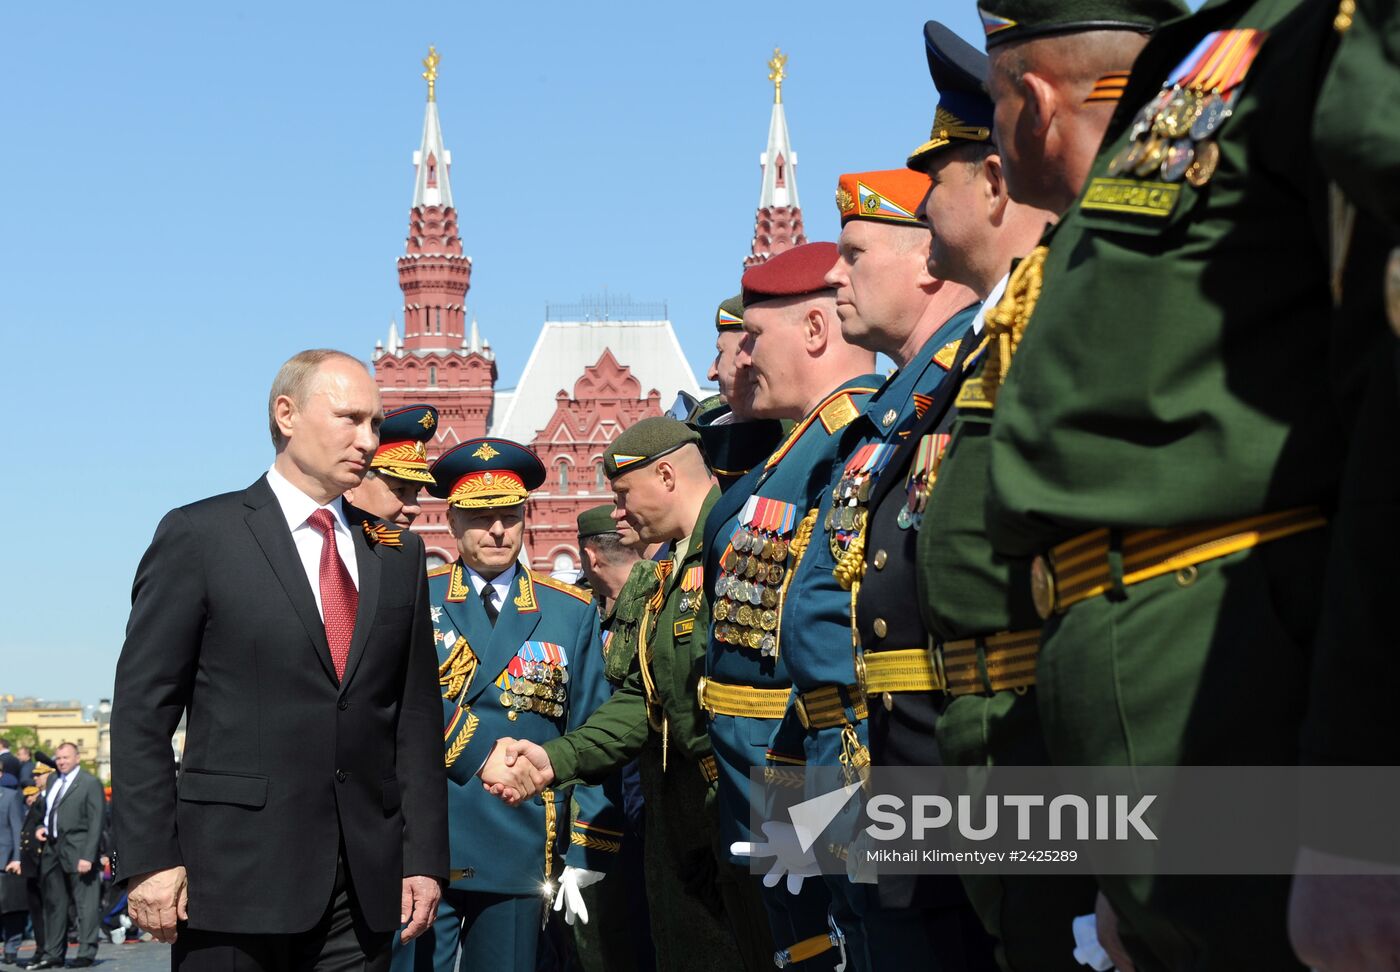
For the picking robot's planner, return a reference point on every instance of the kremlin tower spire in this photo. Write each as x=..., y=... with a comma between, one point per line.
x=433, y=273
x=431, y=359
x=778, y=222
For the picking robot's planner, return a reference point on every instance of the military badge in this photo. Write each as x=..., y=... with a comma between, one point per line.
x=753, y=575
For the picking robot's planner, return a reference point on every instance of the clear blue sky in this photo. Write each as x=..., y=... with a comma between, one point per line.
x=192, y=192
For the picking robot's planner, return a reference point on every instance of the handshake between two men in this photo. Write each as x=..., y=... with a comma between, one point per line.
x=516, y=770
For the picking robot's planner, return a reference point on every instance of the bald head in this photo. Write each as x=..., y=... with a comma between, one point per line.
x=796, y=354
x=1047, y=131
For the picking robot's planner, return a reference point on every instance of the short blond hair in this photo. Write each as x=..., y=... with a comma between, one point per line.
x=294, y=380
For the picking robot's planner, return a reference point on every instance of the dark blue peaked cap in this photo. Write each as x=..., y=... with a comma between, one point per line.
x=964, y=112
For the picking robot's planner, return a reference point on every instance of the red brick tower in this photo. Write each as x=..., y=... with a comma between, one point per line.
x=436, y=361
x=778, y=223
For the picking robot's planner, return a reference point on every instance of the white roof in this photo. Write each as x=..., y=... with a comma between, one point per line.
x=565, y=348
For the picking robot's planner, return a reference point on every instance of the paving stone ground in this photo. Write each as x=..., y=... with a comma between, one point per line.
x=130, y=957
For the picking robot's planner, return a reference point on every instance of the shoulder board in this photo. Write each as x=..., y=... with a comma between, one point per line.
x=973, y=395
x=946, y=355
x=838, y=413
x=558, y=585
x=439, y=571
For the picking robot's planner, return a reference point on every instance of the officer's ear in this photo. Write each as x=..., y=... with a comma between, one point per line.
x=995, y=176
x=1042, y=103
x=667, y=474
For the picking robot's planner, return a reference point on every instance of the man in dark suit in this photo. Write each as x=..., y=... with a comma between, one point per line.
x=13, y=901
x=9, y=762
x=68, y=874
x=280, y=616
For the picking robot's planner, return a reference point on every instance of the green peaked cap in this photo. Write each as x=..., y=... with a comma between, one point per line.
x=730, y=316
x=645, y=442
x=596, y=520
x=1013, y=20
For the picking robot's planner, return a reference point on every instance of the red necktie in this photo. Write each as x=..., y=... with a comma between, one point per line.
x=339, y=598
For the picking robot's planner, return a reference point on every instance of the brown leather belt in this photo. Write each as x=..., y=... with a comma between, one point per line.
x=1079, y=569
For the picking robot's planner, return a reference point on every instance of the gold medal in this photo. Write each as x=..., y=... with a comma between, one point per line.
x=1152, y=155
x=770, y=598
x=768, y=620
x=1120, y=163
x=1202, y=167
x=753, y=638
x=746, y=616
x=1176, y=118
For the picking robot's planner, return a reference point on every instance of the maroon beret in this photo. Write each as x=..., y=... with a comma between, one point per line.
x=792, y=273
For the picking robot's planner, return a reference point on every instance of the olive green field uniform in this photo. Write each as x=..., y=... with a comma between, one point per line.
x=1179, y=371
x=704, y=915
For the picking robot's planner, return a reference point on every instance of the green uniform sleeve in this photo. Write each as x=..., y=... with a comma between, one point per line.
x=611, y=738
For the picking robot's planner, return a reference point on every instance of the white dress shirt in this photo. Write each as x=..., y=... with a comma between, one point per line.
x=980, y=320
x=52, y=798
x=297, y=507
x=500, y=585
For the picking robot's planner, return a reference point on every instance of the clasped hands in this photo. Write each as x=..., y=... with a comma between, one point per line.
x=516, y=770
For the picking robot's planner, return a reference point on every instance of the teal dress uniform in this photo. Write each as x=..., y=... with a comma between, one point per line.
x=1173, y=468
x=533, y=675
x=826, y=724
x=746, y=687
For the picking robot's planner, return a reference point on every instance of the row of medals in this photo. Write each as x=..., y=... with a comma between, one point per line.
x=1172, y=136
x=539, y=689
x=747, y=594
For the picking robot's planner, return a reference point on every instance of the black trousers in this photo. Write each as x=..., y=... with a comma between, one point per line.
x=62, y=889
x=339, y=942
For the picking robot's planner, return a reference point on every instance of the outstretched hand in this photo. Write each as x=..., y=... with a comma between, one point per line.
x=516, y=770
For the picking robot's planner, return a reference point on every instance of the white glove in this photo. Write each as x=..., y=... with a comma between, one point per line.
x=568, y=899
x=782, y=844
x=1087, y=950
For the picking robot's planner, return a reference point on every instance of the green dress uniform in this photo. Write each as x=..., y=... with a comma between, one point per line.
x=704, y=915
x=532, y=672
x=1166, y=441
x=1351, y=716
x=749, y=547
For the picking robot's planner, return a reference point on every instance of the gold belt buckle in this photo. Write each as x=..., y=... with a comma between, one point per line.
x=1043, y=587
x=860, y=673
x=800, y=707
x=935, y=652
x=700, y=688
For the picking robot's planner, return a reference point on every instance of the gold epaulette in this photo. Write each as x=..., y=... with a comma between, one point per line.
x=838, y=413
x=439, y=571
x=946, y=355
x=559, y=585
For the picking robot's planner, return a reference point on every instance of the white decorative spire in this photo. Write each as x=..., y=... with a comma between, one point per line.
x=431, y=186
x=393, y=336
x=779, y=162
x=475, y=344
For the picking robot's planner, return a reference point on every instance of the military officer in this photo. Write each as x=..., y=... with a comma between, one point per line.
x=1347, y=923
x=976, y=603
x=734, y=440
x=888, y=302
x=399, y=468
x=614, y=930
x=1173, y=477
x=520, y=654
x=801, y=368
x=706, y=914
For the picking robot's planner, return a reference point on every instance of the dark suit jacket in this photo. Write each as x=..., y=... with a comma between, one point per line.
x=78, y=820
x=12, y=811
x=282, y=762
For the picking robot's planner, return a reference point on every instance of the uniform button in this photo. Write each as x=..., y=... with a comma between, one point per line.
x=340, y=776
x=342, y=705
x=881, y=629
x=881, y=558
